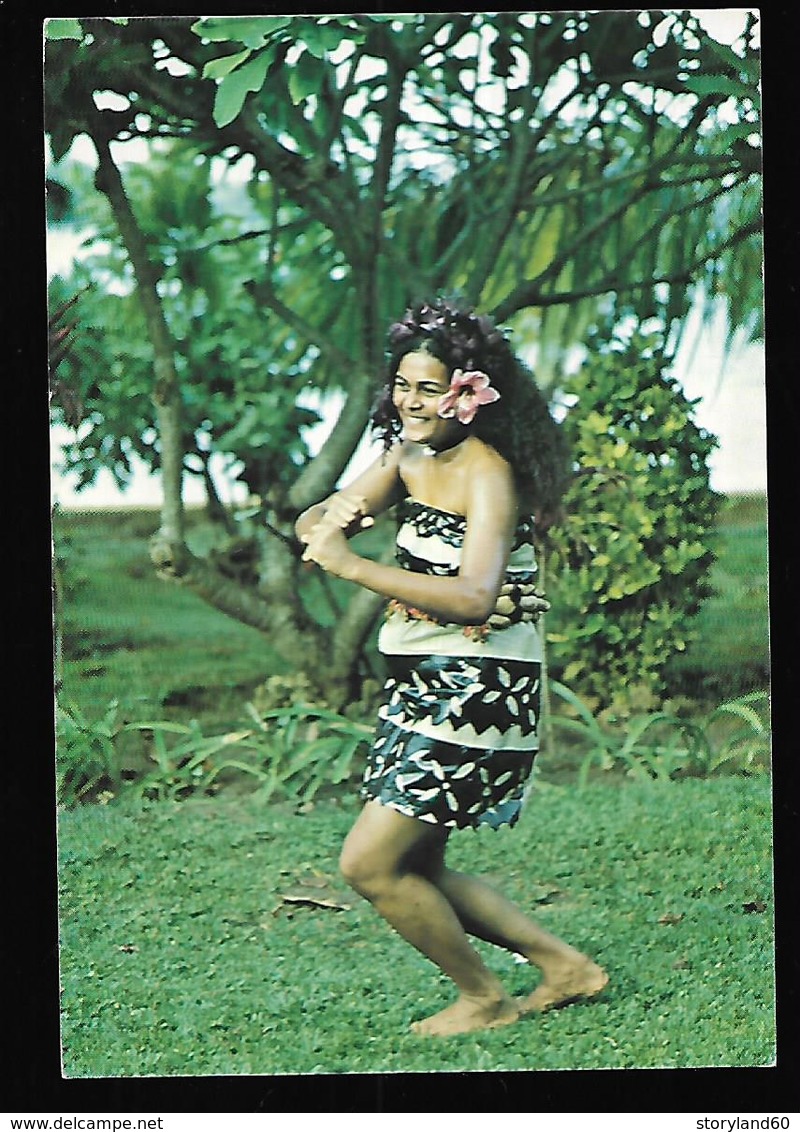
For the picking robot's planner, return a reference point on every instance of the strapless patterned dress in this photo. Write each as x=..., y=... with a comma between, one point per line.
x=457, y=728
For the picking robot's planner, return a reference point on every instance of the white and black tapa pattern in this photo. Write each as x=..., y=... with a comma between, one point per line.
x=446, y=783
x=472, y=697
x=457, y=733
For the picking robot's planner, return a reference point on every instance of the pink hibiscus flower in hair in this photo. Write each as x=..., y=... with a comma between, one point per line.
x=468, y=391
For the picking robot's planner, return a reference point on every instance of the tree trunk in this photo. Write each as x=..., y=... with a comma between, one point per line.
x=277, y=611
x=166, y=393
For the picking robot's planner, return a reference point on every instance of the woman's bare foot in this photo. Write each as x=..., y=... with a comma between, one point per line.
x=468, y=1014
x=575, y=982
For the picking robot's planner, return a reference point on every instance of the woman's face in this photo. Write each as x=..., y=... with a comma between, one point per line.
x=419, y=384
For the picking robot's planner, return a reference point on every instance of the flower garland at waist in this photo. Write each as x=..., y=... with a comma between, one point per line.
x=409, y=613
x=516, y=604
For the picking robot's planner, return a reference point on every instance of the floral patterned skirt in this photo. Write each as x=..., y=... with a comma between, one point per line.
x=456, y=739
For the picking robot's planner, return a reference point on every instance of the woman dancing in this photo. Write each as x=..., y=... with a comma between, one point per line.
x=471, y=454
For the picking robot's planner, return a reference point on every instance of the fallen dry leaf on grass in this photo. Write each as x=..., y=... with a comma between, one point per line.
x=314, y=892
x=314, y=901
x=671, y=918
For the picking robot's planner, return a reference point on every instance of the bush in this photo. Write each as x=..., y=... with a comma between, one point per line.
x=734, y=738
x=86, y=753
x=633, y=556
x=291, y=752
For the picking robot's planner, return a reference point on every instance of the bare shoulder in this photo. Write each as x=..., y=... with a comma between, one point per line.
x=486, y=463
x=492, y=493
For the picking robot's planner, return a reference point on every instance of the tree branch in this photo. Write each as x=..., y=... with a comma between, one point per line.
x=529, y=295
x=292, y=634
x=517, y=299
x=382, y=169
x=264, y=293
x=523, y=142
x=320, y=476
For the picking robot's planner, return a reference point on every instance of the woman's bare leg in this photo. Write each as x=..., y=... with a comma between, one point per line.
x=375, y=862
x=567, y=974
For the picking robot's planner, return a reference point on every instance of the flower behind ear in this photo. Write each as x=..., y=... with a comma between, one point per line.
x=468, y=391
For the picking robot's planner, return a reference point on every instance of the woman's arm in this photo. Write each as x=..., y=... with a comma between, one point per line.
x=356, y=505
x=468, y=598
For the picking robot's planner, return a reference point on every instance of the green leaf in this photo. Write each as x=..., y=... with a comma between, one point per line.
x=235, y=87
x=356, y=128
x=590, y=723
x=722, y=85
x=252, y=31
x=233, y=764
x=63, y=29
x=157, y=726
x=321, y=38
x=219, y=68
x=741, y=131
x=744, y=711
x=748, y=66
x=305, y=78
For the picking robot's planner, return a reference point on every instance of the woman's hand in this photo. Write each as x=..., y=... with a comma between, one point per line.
x=326, y=545
x=348, y=512
x=518, y=603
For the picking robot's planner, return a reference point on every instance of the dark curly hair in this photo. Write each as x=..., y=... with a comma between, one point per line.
x=518, y=426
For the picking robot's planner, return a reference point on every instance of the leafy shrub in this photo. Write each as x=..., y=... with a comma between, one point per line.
x=631, y=561
x=662, y=745
x=189, y=764
x=291, y=752
x=308, y=747
x=748, y=747
x=86, y=759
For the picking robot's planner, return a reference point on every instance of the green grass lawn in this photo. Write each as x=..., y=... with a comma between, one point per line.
x=181, y=954
x=148, y=643
x=731, y=653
